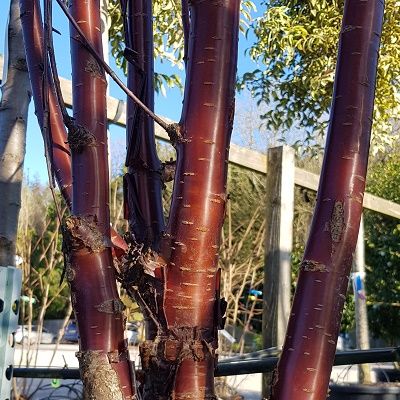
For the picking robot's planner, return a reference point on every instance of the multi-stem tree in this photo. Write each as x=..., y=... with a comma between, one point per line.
x=171, y=270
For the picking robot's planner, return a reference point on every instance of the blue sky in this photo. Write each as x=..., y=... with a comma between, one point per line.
x=169, y=106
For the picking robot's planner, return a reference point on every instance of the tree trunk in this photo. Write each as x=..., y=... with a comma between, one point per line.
x=59, y=152
x=143, y=181
x=305, y=365
x=13, y=120
x=182, y=296
x=103, y=356
x=143, y=185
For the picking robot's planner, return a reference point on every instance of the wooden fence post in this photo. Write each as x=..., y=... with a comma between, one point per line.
x=362, y=331
x=279, y=238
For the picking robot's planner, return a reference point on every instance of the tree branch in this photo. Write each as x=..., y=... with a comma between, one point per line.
x=110, y=72
x=186, y=28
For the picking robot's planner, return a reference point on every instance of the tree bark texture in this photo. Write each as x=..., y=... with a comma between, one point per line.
x=60, y=153
x=180, y=288
x=14, y=105
x=103, y=356
x=143, y=184
x=305, y=365
x=143, y=181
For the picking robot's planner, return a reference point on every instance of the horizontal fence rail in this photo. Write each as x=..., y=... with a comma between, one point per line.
x=249, y=159
x=248, y=364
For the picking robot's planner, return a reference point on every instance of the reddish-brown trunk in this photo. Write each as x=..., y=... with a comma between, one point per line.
x=304, y=368
x=60, y=151
x=143, y=181
x=33, y=33
x=179, y=363
x=103, y=350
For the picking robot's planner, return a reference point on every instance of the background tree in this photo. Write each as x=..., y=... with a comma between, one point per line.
x=382, y=236
x=15, y=98
x=296, y=50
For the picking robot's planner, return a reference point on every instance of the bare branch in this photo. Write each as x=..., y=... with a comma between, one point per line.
x=110, y=72
x=186, y=28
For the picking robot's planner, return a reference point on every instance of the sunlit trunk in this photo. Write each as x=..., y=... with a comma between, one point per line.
x=103, y=353
x=182, y=357
x=15, y=98
x=305, y=365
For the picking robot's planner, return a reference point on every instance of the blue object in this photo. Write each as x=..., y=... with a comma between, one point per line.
x=71, y=332
x=255, y=292
x=358, y=285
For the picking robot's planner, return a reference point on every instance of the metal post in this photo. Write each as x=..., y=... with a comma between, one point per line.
x=279, y=238
x=10, y=291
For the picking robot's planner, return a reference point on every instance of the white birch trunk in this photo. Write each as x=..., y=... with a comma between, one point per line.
x=14, y=104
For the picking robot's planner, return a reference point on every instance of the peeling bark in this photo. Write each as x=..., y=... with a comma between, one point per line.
x=181, y=295
x=87, y=242
x=100, y=381
x=14, y=105
x=305, y=365
x=143, y=181
x=62, y=139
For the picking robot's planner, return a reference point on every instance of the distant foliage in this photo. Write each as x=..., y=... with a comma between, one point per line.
x=382, y=236
x=296, y=47
x=168, y=37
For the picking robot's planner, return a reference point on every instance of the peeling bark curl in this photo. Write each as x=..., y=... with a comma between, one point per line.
x=313, y=266
x=163, y=357
x=82, y=232
x=79, y=137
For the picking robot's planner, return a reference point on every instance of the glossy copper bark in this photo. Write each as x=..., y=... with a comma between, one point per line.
x=142, y=183
x=90, y=265
x=192, y=241
x=33, y=35
x=304, y=368
x=60, y=152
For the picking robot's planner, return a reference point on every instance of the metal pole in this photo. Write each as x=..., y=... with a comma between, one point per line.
x=242, y=367
x=10, y=291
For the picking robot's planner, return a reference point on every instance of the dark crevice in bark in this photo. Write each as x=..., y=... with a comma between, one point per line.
x=143, y=182
x=179, y=293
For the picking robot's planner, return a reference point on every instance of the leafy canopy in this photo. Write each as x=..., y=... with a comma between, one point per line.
x=296, y=47
x=382, y=236
x=168, y=36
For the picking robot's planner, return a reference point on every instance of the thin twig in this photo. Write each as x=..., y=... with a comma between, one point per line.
x=186, y=29
x=169, y=128
x=46, y=110
x=54, y=73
